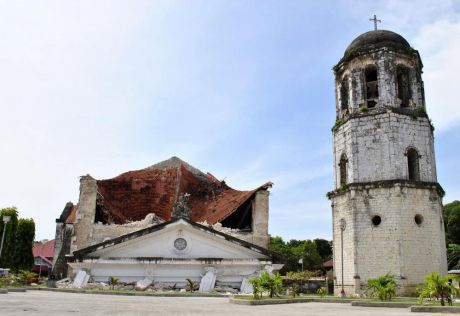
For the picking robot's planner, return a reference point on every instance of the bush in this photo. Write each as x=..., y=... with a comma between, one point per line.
x=4, y=281
x=437, y=287
x=322, y=291
x=294, y=289
x=302, y=276
x=113, y=281
x=273, y=284
x=191, y=285
x=26, y=277
x=257, y=289
x=383, y=287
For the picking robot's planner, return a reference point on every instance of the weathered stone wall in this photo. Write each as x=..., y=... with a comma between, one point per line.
x=375, y=141
x=386, y=62
x=62, y=244
x=84, y=219
x=398, y=245
x=376, y=144
x=260, y=219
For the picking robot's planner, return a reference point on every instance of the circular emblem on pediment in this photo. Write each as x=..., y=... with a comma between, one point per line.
x=180, y=243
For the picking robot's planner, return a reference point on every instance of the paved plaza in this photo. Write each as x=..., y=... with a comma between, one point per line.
x=55, y=303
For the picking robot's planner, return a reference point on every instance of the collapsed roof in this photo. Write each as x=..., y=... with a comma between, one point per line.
x=87, y=251
x=134, y=194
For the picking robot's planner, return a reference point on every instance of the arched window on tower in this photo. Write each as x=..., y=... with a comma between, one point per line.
x=372, y=88
x=413, y=164
x=404, y=91
x=344, y=94
x=343, y=169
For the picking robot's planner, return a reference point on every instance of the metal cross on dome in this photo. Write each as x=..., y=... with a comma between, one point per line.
x=374, y=19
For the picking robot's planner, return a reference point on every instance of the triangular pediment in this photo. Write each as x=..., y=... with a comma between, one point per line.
x=178, y=239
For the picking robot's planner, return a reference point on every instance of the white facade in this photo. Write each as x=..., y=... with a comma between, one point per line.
x=170, y=255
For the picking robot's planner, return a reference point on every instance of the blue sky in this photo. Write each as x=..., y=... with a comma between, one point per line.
x=242, y=89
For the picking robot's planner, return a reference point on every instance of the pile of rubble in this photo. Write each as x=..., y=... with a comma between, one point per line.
x=234, y=232
x=146, y=284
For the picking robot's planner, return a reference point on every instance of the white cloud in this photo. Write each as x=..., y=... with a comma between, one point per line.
x=439, y=47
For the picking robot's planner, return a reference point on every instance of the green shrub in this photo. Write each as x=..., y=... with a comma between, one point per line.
x=322, y=291
x=438, y=287
x=294, y=289
x=257, y=289
x=363, y=108
x=113, y=281
x=26, y=277
x=273, y=284
x=3, y=281
x=383, y=287
x=191, y=286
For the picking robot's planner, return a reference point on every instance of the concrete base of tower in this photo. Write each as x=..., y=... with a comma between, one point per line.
x=348, y=290
x=388, y=227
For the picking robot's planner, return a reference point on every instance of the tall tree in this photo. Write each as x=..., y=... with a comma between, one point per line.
x=25, y=235
x=324, y=248
x=452, y=222
x=309, y=254
x=453, y=256
x=9, y=244
x=294, y=250
x=278, y=245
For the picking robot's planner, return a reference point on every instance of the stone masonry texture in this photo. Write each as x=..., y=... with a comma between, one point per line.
x=376, y=139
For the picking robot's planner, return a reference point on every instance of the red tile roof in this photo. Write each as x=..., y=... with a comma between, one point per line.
x=44, y=250
x=134, y=194
x=71, y=218
x=328, y=264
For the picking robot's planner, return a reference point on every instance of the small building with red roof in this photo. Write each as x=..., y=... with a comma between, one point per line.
x=43, y=257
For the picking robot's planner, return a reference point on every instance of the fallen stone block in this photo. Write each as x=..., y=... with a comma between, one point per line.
x=142, y=285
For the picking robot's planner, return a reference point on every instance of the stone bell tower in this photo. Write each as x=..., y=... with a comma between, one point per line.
x=386, y=203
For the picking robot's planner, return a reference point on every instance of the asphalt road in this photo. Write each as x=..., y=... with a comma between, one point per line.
x=56, y=303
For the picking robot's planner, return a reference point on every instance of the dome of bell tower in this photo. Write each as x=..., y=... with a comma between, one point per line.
x=379, y=70
x=373, y=40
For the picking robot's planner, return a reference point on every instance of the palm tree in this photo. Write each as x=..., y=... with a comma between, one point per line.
x=453, y=256
x=383, y=287
x=437, y=286
x=113, y=281
x=191, y=285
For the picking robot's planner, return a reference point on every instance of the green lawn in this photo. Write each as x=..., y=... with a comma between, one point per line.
x=408, y=300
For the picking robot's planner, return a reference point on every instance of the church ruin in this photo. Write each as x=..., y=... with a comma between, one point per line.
x=166, y=223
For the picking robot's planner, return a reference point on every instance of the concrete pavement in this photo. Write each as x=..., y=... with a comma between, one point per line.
x=56, y=303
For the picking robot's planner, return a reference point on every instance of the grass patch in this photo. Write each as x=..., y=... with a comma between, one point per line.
x=409, y=300
x=141, y=293
x=289, y=297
